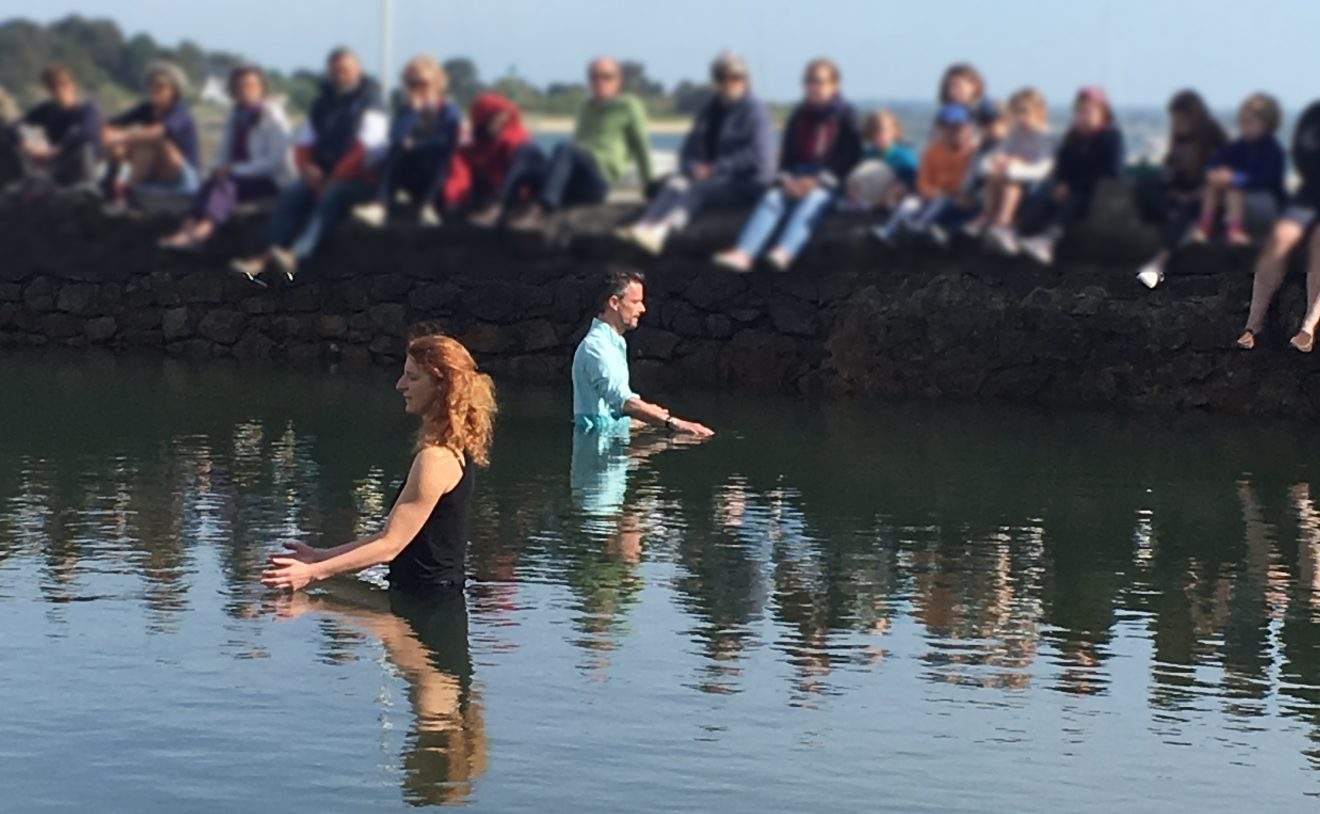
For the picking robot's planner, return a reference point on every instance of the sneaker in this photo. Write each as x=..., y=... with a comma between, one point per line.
x=1039, y=248
x=1197, y=235
x=886, y=235
x=779, y=259
x=1237, y=236
x=734, y=261
x=1150, y=278
x=486, y=218
x=286, y=261
x=429, y=217
x=938, y=235
x=976, y=228
x=372, y=214
x=650, y=240
x=250, y=268
x=1001, y=239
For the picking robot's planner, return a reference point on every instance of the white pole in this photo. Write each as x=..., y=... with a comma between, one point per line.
x=386, y=47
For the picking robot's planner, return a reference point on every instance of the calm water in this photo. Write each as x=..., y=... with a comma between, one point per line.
x=861, y=607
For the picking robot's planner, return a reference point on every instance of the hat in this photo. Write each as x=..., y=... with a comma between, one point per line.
x=172, y=74
x=952, y=114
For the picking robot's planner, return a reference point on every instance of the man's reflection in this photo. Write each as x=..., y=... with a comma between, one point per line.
x=427, y=642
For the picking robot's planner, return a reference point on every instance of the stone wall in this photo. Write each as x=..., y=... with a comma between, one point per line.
x=851, y=318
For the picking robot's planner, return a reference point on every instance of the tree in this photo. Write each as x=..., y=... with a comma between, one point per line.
x=636, y=81
x=464, y=81
x=690, y=97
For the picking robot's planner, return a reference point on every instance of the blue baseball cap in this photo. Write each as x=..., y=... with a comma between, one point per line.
x=953, y=114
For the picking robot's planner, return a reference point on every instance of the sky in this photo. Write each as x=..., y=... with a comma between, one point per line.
x=1140, y=50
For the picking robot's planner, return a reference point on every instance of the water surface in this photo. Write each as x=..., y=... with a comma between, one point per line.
x=862, y=606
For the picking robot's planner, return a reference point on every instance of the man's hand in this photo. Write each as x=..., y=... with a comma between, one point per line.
x=700, y=172
x=691, y=428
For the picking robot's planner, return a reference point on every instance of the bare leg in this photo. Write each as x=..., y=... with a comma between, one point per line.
x=1305, y=338
x=1270, y=268
x=1235, y=211
x=1010, y=198
x=1209, y=206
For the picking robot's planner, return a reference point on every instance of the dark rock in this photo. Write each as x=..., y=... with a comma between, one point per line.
x=332, y=326
x=390, y=287
x=389, y=318
x=482, y=338
x=222, y=327
x=76, y=298
x=433, y=299
x=175, y=323
x=254, y=345
x=11, y=292
x=39, y=295
x=101, y=329
x=60, y=326
x=653, y=343
x=537, y=335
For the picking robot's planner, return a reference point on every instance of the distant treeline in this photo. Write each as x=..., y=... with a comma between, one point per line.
x=112, y=67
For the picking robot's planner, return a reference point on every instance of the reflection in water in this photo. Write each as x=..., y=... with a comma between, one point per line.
x=426, y=641
x=1177, y=579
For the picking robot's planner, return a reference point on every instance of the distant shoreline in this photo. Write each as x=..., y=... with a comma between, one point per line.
x=564, y=124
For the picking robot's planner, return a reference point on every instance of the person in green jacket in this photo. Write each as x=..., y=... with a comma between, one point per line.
x=611, y=132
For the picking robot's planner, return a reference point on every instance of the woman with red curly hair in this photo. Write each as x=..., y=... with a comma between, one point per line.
x=426, y=533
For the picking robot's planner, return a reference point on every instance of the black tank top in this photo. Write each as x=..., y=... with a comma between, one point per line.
x=435, y=559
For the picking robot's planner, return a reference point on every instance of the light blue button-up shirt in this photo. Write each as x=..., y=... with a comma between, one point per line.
x=600, y=379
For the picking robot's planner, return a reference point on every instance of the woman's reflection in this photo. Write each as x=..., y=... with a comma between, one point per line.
x=426, y=639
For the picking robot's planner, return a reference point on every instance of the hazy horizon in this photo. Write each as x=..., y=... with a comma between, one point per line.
x=1141, y=52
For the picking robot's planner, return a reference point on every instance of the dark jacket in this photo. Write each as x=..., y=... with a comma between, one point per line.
x=180, y=128
x=836, y=123
x=744, y=145
x=1306, y=155
x=431, y=139
x=1083, y=160
x=67, y=129
x=1257, y=165
x=336, y=119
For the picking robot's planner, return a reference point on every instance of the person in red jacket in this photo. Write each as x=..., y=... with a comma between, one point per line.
x=500, y=153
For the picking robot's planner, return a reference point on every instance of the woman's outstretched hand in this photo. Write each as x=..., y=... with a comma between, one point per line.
x=287, y=573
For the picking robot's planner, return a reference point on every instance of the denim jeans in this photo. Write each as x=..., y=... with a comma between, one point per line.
x=301, y=217
x=802, y=217
x=681, y=199
x=572, y=177
x=526, y=172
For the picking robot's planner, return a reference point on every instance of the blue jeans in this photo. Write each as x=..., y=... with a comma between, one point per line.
x=802, y=217
x=301, y=217
x=681, y=198
x=572, y=177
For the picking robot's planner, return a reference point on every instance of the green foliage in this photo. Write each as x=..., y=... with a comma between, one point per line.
x=112, y=67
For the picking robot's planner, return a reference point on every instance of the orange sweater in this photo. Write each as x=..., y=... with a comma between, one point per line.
x=942, y=169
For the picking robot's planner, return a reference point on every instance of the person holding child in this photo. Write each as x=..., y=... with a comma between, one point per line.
x=888, y=170
x=939, y=202
x=1245, y=179
x=1013, y=171
x=821, y=145
x=1091, y=151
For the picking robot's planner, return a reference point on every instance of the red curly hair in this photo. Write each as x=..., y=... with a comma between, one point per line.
x=462, y=415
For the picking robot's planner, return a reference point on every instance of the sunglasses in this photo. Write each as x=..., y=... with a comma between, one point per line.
x=723, y=77
x=603, y=77
x=415, y=82
x=820, y=80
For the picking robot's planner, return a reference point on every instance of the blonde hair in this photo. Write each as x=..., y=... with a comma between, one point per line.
x=878, y=119
x=1030, y=98
x=1264, y=107
x=461, y=417
x=428, y=68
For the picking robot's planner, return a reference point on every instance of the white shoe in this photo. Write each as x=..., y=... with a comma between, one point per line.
x=779, y=259
x=1039, y=248
x=976, y=228
x=1003, y=240
x=938, y=235
x=650, y=239
x=428, y=216
x=1151, y=275
x=372, y=214
x=734, y=261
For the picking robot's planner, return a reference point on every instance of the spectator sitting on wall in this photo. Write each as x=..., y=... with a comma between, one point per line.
x=55, y=143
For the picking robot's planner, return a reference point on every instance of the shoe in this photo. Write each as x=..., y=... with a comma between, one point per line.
x=178, y=242
x=1237, y=236
x=429, y=217
x=650, y=240
x=1001, y=239
x=734, y=261
x=1197, y=235
x=779, y=259
x=1151, y=275
x=486, y=218
x=1039, y=248
x=286, y=261
x=885, y=235
x=532, y=219
x=1303, y=342
x=372, y=214
x=938, y=235
x=251, y=268
x=977, y=228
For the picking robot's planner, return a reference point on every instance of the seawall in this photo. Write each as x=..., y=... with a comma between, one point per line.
x=850, y=318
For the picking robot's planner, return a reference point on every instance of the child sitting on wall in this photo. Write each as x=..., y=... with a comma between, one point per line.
x=888, y=169
x=939, y=203
x=1246, y=177
x=1014, y=169
x=1091, y=151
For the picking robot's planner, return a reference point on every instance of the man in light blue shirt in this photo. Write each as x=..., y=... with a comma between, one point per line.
x=603, y=399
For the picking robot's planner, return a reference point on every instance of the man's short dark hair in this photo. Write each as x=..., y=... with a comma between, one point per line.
x=340, y=52
x=615, y=282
